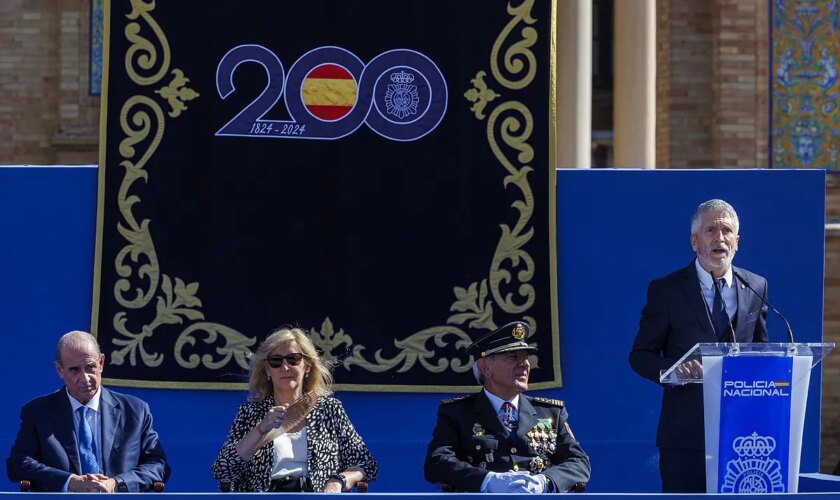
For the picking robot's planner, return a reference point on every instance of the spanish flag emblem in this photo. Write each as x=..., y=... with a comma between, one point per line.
x=329, y=92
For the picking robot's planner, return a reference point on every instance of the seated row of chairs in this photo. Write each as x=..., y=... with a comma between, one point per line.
x=361, y=486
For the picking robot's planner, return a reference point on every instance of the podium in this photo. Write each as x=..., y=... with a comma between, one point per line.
x=754, y=399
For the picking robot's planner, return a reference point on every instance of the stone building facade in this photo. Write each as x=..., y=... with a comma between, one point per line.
x=46, y=113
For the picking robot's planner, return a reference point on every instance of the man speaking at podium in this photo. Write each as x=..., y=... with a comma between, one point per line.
x=703, y=302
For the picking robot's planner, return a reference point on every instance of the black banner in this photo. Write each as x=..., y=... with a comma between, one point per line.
x=378, y=173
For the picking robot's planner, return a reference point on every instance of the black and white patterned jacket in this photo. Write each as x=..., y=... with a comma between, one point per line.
x=332, y=445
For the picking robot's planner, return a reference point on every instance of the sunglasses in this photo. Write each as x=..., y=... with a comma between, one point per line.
x=276, y=361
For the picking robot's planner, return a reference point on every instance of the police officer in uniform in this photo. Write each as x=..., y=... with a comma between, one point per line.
x=499, y=440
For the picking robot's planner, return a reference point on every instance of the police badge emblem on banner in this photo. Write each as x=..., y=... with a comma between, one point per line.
x=755, y=409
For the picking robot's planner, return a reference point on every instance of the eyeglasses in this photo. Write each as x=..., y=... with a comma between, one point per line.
x=276, y=361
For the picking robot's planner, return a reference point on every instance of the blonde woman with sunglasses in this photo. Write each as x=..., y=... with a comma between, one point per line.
x=292, y=435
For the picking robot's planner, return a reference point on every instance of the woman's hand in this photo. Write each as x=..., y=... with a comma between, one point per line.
x=259, y=435
x=273, y=419
x=332, y=486
x=351, y=477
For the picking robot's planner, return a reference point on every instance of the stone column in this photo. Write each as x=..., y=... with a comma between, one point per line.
x=634, y=90
x=574, y=83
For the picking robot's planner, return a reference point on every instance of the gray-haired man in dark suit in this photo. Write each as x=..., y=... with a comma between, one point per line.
x=499, y=440
x=702, y=302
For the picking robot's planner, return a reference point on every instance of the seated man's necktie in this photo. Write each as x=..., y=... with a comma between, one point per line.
x=508, y=416
x=87, y=447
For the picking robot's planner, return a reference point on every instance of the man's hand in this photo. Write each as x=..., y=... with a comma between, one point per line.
x=526, y=483
x=499, y=482
x=692, y=369
x=515, y=482
x=109, y=484
x=91, y=483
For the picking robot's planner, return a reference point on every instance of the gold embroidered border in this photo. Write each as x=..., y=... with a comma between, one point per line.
x=141, y=282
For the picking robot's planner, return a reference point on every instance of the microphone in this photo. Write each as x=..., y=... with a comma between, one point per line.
x=744, y=282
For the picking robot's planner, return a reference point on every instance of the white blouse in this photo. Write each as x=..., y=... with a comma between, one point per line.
x=290, y=455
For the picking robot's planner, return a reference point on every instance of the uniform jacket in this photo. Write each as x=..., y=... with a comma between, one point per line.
x=332, y=444
x=46, y=451
x=674, y=319
x=469, y=440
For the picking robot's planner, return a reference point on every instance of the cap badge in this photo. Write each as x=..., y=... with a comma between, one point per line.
x=518, y=332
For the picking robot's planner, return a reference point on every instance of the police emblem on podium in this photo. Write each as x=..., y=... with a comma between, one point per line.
x=753, y=471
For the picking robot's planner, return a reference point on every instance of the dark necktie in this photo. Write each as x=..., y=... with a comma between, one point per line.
x=87, y=448
x=719, y=316
x=508, y=416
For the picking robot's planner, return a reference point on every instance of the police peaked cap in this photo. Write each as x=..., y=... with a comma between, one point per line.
x=510, y=337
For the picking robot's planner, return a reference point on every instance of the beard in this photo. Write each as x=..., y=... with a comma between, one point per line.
x=709, y=260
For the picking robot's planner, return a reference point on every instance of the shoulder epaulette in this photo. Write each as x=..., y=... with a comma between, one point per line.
x=548, y=401
x=452, y=400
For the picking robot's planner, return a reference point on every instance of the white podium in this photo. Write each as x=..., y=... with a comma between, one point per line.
x=754, y=398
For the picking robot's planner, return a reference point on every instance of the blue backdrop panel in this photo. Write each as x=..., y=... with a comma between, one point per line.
x=617, y=230
x=46, y=258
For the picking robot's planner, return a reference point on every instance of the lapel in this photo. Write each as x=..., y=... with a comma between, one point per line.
x=111, y=414
x=65, y=428
x=487, y=416
x=527, y=418
x=744, y=297
x=314, y=432
x=696, y=302
x=315, y=435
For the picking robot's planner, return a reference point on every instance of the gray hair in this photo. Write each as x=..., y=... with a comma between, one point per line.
x=477, y=373
x=714, y=205
x=78, y=341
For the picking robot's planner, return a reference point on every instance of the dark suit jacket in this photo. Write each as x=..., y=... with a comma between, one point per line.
x=674, y=319
x=46, y=452
x=469, y=440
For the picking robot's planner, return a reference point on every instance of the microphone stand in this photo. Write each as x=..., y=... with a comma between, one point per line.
x=792, y=348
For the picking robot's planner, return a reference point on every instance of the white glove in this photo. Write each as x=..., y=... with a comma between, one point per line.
x=498, y=482
x=526, y=483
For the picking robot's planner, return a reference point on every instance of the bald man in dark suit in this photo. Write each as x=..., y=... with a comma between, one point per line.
x=122, y=452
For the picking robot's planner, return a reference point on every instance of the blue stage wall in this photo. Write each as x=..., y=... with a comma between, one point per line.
x=617, y=229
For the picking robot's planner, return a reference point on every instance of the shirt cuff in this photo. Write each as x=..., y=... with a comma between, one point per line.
x=486, y=480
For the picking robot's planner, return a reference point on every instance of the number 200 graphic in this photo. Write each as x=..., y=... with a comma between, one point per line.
x=329, y=92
